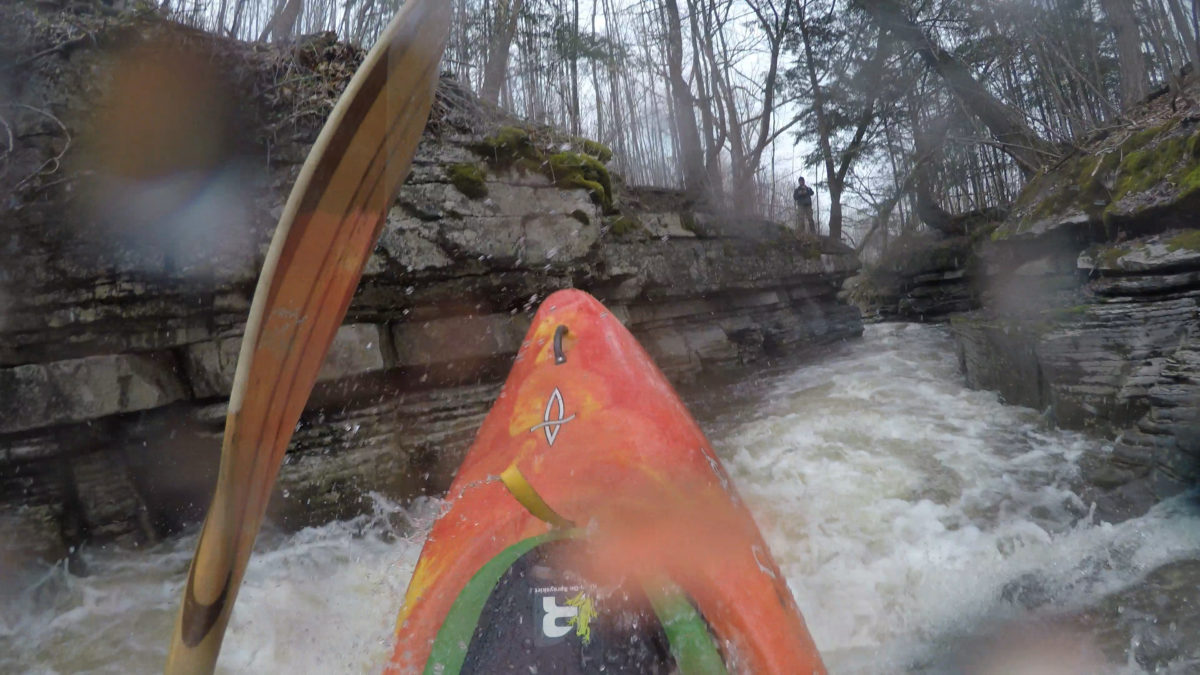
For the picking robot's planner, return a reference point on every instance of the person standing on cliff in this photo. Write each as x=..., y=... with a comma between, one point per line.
x=803, y=195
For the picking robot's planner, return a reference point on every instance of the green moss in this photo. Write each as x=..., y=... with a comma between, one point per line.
x=581, y=216
x=469, y=179
x=625, y=225
x=507, y=147
x=1087, y=166
x=1049, y=194
x=1142, y=139
x=1145, y=160
x=592, y=148
x=575, y=170
x=1189, y=241
x=1193, y=144
x=515, y=148
x=968, y=321
x=1090, y=181
x=1139, y=139
x=1142, y=170
x=985, y=231
x=1189, y=182
x=1109, y=256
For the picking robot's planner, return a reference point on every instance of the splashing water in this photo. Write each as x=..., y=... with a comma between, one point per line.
x=321, y=600
x=918, y=523
x=913, y=516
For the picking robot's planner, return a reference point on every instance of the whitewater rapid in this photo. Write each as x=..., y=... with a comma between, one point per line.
x=914, y=518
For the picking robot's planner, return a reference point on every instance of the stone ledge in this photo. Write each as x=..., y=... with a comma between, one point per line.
x=77, y=390
x=210, y=366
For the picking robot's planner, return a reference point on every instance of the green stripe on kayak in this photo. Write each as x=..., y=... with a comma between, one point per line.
x=692, y=644
x=450, y=645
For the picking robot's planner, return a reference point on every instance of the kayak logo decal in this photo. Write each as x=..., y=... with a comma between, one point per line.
x=553, y=616
x=551, y=426
x=577, y=615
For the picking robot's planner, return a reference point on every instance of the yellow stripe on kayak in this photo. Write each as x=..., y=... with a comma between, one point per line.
x=524, y=493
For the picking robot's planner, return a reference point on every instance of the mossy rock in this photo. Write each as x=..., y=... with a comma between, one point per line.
x=575, y=170
x=469, y=179
x=1109, y=257
x=810, y=245
x=581, y=216
x=1188, y=241
x=1157, y=162
x=623, y=226
x=592, y=148
x=1143, y=138
x=1145, y=168
x=914, y=254
x=583, y=167
x=509, y=146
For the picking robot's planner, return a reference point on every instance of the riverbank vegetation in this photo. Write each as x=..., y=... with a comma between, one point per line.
x=902, y=113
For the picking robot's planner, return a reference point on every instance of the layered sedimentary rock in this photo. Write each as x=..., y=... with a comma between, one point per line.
x=123, y=299
x=922, y=277
x=1090, y=310
x=1082, y=301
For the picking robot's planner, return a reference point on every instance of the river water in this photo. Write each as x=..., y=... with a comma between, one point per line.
x=923, y=527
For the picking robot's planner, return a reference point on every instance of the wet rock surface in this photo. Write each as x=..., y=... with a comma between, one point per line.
x=1154, y=623
x=123, y=298
x=1102, y=338
x=1082, y=302
x=924, y=277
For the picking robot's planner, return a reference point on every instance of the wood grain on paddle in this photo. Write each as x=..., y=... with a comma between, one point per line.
x=326, y=232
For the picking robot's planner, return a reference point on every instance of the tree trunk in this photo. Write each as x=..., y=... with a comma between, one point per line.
x=1132, y=63
x=823, y=128
x=707, y=102
x=1185, y=30
x=1006, y=124
x=281, y=24
x=596, y=87
x=574, y=83
x=775, y=25
x=504, y=27
x=685, y=117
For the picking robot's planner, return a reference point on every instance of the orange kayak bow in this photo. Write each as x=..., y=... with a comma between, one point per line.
x=591, y=514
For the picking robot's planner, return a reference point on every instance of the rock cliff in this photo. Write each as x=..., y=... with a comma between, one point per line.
x=921, y=277
x=1083, y=302
x=124, y=287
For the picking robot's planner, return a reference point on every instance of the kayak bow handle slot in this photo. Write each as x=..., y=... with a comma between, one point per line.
x=559, y=357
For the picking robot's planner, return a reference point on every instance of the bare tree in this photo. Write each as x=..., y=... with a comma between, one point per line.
x=1006, y=125
x=837, y=165
x=284, y=20
x=505, y=15
x=1129, y=49
x=681, y=95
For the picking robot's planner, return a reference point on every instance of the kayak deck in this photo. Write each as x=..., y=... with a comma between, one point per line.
x=604, y=449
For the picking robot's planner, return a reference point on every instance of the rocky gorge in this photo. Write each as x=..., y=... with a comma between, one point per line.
x=138, y=207
x=1083, y=301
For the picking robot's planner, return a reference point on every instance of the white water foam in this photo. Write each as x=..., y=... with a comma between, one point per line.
x=322, y=600
x=899, y=504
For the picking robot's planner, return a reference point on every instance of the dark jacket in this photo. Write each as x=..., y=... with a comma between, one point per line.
x=802, y=195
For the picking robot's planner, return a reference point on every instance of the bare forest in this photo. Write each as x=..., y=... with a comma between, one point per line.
x=900, y=112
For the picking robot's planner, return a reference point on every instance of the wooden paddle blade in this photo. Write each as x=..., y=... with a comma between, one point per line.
x=326, y=232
